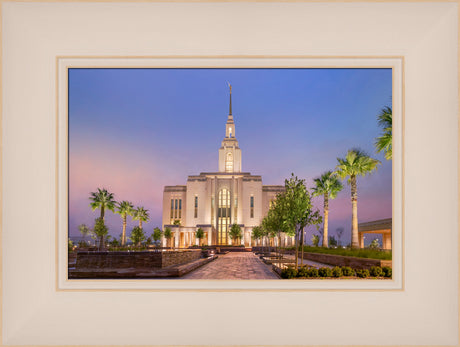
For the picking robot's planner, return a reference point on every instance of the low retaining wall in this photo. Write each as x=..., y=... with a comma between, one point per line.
x=141, y=259
x=340, y=260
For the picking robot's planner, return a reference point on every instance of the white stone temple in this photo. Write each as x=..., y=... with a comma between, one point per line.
x=213, y=201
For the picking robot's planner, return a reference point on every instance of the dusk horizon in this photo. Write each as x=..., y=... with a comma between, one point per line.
x=134, y=131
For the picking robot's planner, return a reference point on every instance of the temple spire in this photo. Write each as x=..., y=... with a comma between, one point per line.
x=230, y=107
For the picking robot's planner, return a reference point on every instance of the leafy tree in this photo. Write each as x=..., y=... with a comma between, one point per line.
x=104, y=200
x=328, y=185
x=168, y=235
x=385, y=141
x=355, y=163
x=156, y=236
x=332, y=241
x=141, y=214
x=199, y=234
x=235, y=232
x=84, y=230
x=315, y=240
x=124, y=209
x=257, y=233
x=137, y=236
x=100, y=230
x=292, y=212
x=70, y=245
x=374, y=244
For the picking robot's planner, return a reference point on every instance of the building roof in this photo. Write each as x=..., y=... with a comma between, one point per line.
x=380, y=226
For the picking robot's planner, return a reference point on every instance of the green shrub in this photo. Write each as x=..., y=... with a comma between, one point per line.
x=289, y=272
x=336, y=272
x=347, y=271
x=313, y=272
x=325, y=272
x=387, y=272
x=376, y=271
x=363, y=273
x=303, y=271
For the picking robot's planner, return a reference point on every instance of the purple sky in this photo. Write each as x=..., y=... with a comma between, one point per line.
x=133, y=131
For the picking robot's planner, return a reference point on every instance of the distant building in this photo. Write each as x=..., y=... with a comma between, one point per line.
x=381, y=226
x=214, y=201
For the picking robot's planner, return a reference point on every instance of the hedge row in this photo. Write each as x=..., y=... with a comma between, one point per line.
x=336, y=272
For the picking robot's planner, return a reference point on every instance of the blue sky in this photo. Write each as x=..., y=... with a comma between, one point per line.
x=134, y=131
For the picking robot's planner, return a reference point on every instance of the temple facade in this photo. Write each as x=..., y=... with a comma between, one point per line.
x=213, y=201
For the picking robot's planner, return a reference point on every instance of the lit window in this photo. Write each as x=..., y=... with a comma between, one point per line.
x=229, y=163
x=180, y=208
x=252, y=207
x=196, y=207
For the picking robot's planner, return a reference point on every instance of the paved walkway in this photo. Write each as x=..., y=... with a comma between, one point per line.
x=234, y=266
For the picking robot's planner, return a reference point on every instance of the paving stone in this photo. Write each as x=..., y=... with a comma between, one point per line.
x=234, y=265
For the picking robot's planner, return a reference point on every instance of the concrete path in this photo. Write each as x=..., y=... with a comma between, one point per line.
x=234, y=266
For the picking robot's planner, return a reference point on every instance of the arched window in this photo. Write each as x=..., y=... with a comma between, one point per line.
x=229, y=163
x=223, y=216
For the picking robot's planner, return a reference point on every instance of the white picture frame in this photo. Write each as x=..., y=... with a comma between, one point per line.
x=38, y=310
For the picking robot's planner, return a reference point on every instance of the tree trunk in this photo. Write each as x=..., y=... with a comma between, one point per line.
x=354, y=218
x=123, y=234
x=296, y=251
x=140, y=223
x=326, y=220
x=101, y=240
x=301, y=245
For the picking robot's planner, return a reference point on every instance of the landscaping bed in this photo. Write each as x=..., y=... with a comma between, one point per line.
x=344, y=272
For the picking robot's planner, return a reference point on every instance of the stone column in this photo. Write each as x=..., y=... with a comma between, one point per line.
x=361, y=240
x=386, y=241
x=177, y=238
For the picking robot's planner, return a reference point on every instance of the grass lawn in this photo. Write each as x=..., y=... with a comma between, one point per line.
x=361, y=253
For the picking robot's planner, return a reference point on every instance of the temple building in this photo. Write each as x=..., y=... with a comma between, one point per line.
x=213, y=201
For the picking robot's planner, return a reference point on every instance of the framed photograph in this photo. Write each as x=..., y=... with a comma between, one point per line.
x=202, y=203
x=129, y=138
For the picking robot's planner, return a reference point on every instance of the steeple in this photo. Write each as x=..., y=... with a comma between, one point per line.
x=230, y=152
x=230, y=108
x=230, y=126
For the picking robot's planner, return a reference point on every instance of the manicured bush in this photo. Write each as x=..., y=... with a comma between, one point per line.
x=387, y=272
x=376, y=271
x=347, y=271
x=303, y=271
x=325, y=272
x=363, y=273
x=313, y=272
x=336, y=272
x=289, y=272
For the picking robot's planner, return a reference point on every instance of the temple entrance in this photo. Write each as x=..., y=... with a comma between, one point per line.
x=223, y=216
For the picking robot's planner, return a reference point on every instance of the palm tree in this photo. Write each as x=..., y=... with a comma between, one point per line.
x=355, y=163
x=141, y=215
x=327, y=185
x=104, y=200
x=168, y=235
x=384, y=142
x=124, y=209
